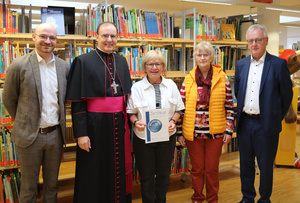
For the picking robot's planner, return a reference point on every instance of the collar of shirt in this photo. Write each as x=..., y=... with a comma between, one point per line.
x=261, y=60
x=148, y=84
x=40, y=59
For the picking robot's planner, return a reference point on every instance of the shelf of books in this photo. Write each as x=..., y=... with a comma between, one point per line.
x=139, y=31
x=138, y=28
x=9, y=168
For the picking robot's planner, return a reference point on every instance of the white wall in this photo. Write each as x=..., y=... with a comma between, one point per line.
x=283, y=37
x=270, y=19
x=288, y=36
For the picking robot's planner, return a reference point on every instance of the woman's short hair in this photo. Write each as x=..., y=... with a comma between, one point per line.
x=207, y=47
x=152, y=55
x=257, y=27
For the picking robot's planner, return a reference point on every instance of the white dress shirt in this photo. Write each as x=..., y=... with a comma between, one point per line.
x=142, y=99
x=251, y=103
x=50, y=107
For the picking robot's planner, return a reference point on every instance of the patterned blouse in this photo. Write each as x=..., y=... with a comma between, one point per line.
x=202, y=115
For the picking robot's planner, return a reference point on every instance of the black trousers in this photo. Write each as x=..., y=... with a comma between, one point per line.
x=153, y=162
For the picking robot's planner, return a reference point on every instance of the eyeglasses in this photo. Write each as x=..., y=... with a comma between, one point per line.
x=202, y=55
x=106, y=36
x=45, y=37
x=151, y=65
x=257, y=41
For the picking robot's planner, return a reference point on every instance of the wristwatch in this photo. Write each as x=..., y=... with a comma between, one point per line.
x=135, y=122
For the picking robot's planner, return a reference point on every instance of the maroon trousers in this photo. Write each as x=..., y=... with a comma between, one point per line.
x=205, y=157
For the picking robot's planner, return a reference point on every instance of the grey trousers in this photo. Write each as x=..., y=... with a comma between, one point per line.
x=45, y=151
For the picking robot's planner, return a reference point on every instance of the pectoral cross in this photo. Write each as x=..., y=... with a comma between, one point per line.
x=114, y=85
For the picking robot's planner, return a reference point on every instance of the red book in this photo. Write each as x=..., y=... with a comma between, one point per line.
x=1, y=190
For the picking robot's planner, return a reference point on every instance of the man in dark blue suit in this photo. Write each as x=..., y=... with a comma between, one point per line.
x=263, y=89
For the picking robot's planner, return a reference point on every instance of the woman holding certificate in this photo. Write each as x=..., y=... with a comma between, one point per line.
x=207, y=122
x=154, y=107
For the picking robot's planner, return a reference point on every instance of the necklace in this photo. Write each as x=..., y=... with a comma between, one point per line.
x=114, y=85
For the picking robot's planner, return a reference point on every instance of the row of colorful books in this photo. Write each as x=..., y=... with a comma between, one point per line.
x=134, y=57
x=8, y=18
x=71, y=52
x=8, y=53
x=227, y=56
x=181, y=161
x=8, y=150
x=211, y=28
x=133, y=23
x=5, y=118
x=10, y=183
x=206, y=27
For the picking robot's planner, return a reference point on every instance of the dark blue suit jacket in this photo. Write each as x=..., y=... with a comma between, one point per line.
x=275, y=93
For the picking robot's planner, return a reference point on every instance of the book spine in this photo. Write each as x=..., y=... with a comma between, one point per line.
x=4, y=16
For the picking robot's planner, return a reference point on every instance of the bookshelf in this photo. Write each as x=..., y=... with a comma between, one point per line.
x=25, y=39
x=83, y=41
x=4, y=168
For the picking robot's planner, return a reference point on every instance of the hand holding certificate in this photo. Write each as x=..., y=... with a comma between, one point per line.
x=157, y=126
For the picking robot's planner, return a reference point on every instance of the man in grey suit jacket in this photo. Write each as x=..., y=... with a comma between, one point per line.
x=34, y=96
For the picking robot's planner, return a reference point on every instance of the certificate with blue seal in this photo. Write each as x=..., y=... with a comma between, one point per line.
x=157, y=126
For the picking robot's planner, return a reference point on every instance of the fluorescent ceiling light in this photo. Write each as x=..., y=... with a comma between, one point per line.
x=252, y=15
x=46, y=3
x=282, y=9
x=249, y=3
x=289, y=19
x=210, y=2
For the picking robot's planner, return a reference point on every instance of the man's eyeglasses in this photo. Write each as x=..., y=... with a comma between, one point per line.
x=257, y=41
x=45, y=37
x=151, y=65
x=106, y=36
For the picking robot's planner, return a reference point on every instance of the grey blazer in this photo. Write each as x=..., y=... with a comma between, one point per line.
x=22, y=97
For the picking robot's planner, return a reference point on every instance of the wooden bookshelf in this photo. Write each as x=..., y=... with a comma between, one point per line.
x=6, y=124
x=4, y=168
x=126, y=41
x=230, y=72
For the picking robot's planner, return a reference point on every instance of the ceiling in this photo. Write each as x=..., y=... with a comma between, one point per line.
x=174, y=6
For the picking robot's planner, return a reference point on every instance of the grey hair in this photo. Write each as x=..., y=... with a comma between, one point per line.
x=207, y=47
x=257, y=27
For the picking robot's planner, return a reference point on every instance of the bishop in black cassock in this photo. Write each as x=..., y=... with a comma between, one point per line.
x=104, y=173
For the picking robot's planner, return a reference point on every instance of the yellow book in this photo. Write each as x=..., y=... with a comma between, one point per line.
x=18, y=49
x=228, y=32
x=1, y=18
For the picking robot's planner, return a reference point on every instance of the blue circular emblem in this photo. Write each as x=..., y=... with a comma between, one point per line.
x=155, y=125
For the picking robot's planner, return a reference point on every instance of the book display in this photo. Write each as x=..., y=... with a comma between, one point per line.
x=54, y=16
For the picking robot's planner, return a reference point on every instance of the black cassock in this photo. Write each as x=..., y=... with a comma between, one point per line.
x=100, y=173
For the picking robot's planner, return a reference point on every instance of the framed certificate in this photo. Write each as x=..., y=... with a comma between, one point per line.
x=157, y=126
